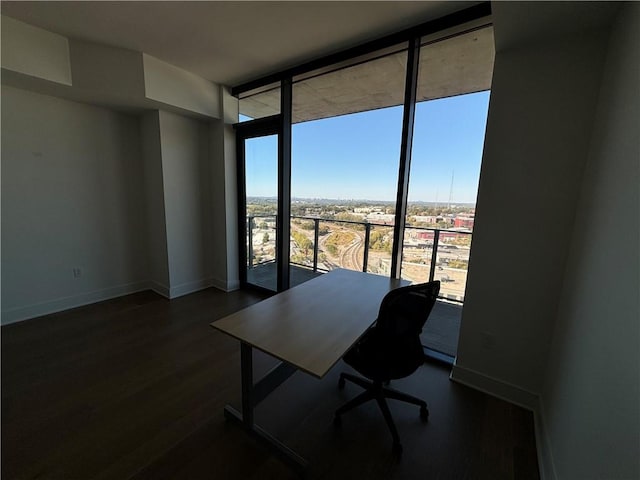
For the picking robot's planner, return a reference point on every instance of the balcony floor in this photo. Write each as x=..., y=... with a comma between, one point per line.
x=264, y=275
x=440, y=333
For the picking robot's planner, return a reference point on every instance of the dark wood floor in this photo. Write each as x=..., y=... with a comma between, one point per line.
x=134, y=388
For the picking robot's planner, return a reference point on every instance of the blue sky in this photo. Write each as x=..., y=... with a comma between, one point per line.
x=355, y=157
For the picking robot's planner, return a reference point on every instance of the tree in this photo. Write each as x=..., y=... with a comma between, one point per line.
x=265, y=238
x=377, y=242
x=307, y=225
x=347, y=217
x=303, y=242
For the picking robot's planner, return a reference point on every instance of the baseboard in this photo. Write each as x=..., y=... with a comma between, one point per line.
x=159, y=289
x=517, y=396
x=19, y=314
x=189, y=287
x=224, y=285
x=494, y=387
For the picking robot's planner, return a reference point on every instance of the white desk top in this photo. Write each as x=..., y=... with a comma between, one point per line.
x=312, y=326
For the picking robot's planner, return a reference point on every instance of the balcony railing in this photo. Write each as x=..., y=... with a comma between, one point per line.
x=322, y=245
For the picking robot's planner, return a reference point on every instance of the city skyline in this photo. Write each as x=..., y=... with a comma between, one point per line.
x=367, y=201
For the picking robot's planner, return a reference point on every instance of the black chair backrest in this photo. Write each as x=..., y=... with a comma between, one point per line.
x=404, y=311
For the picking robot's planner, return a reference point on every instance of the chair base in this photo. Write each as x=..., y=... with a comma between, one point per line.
x=376, y=390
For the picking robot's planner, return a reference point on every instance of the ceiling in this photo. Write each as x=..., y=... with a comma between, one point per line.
x=229, y=42
x=232, y=42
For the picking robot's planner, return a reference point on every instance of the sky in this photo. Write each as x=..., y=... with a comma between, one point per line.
x=356, y=156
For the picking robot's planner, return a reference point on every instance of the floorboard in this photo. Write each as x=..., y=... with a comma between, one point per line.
x=134, y=388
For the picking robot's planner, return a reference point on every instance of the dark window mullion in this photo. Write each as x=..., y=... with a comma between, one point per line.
x=242, y=208
x=258, y=127
x=408, y=116
x=284, y=186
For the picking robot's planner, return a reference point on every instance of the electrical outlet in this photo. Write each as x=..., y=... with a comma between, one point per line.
x=77, y=272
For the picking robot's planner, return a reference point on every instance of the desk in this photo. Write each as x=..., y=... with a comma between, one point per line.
x=309, y=328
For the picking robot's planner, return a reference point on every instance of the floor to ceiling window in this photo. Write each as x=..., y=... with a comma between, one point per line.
x=261, y=184
x=451, y=112
x=445, y=169
x=258, y=155
x=448, y=136
x=354, y=125
x=346, y=144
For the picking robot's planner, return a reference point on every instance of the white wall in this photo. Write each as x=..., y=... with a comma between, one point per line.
x=71, y=198
x=154, y=203
x=188, y=216
x=107, y=72
x=169, y=84
x=540, y=115
x=128, y=200
x=225, y=195
x=35, y=52
x=591, y=399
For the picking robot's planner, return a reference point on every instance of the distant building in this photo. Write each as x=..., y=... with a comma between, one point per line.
x=463, y=222
x=379, y=217
x=367, y=209
x=425, y=218
x=425, y=235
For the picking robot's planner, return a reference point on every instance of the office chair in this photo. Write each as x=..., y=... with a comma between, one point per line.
x=389, y=350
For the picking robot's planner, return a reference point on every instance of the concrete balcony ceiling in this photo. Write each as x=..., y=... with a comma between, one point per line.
x=455, y=66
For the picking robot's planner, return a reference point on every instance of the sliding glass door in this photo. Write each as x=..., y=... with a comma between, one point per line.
x=261, y=207
x=258, y=210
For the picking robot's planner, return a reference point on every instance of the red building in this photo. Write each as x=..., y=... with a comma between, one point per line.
x=463, y=222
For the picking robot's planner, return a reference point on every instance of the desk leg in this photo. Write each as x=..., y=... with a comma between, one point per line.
x=246, y=418
x=246, y=372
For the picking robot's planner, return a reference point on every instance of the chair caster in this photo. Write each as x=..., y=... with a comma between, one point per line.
x=424, y=414
x=337, y=420
x=341, y=383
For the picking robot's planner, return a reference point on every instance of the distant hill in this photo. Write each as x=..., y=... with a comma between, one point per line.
x=355, y=203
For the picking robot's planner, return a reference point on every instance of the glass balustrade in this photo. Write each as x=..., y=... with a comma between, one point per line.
x=320, y=245
x=261, y=240
x=436, y=254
